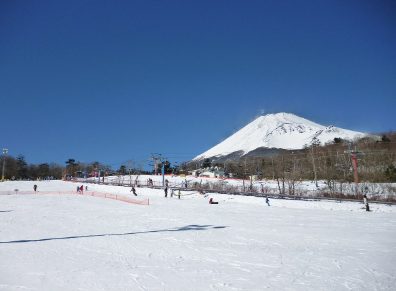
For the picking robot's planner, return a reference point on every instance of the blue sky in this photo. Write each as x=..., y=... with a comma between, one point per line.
x=118, y=80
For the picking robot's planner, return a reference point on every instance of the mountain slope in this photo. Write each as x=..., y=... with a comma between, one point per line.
x=280, y=130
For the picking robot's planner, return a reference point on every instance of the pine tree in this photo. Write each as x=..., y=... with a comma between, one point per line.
x=22, y=168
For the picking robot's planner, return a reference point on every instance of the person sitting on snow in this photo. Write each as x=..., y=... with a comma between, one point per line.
x=212, y=202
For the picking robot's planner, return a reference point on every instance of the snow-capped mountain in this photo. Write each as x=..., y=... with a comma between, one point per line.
x=280, y=131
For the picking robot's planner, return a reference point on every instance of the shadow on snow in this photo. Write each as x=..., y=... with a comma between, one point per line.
x=184, y=228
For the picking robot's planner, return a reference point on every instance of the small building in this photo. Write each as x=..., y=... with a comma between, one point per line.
x=195, y=173
x=212, y=173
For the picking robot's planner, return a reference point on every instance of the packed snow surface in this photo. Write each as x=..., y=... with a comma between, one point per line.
x=280, y=130
x=75, y=242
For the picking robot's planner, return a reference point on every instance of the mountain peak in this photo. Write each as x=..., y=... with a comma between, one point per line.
x=278, y=130
x=284, y=117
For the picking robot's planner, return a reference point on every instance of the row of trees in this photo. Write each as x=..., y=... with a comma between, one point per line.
x=332, y=162
x=19, y=169
x=74, y=168
x=376, y=163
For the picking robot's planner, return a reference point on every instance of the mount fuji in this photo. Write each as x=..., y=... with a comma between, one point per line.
x=280, y=131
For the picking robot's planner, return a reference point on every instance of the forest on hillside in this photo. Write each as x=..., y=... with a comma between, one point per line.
x=376, y=162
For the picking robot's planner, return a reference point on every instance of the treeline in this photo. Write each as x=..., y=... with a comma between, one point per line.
x=332, y=163
x=19, y=169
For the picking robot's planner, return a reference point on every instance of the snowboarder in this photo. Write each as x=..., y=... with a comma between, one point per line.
x=166, y=191
x=35, y=187
x=133, y=191
x=212, y=202
x=267, y=201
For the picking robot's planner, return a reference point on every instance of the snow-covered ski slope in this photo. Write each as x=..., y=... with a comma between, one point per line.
x=75, y=242
x=280, y=130
x=266, y=186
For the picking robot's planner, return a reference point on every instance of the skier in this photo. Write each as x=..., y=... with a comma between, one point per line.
x=366, y=202
x=267, y=201
x=178, y=194
x=82, y=189
x=166, y=191
x=35, y=187
x=78, y=189
x=133, y=191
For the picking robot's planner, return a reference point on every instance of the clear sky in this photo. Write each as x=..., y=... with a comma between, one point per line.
x=118, y=80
